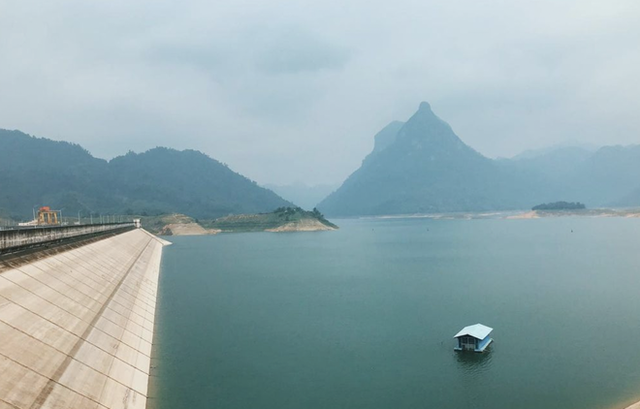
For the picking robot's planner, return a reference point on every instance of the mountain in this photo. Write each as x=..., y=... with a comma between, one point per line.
x=425, y=168
x=562, y=165
x=386, y=137
x=632, y=199
x=551, y=150
x=165, y=180
x=605, y=177
x=38, y=171
x=609, y=177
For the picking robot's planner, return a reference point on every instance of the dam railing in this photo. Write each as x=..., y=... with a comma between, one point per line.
x=24, y=238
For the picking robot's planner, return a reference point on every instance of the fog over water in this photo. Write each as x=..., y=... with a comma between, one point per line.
x=288, y=91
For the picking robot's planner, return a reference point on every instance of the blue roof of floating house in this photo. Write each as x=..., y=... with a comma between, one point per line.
x=477, y=331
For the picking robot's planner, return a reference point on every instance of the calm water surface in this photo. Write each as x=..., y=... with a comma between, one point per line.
x=364, y=317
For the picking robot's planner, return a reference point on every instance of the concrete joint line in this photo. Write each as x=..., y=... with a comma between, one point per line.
x=72, y=333
x=43, y=376
x=97, y=314
x=46, y=391
x=80, y=339
x=79, y=291
x=10, y=404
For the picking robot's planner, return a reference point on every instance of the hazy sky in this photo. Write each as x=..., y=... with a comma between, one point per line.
x=295, y=90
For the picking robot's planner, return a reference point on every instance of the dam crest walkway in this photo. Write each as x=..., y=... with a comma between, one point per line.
x=76, y=327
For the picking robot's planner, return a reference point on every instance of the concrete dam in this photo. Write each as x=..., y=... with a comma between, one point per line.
x=77, y=310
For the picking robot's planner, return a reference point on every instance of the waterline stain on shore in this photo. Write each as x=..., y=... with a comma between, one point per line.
x=363, y=316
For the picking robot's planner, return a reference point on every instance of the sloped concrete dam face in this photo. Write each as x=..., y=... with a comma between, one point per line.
x=76, y=327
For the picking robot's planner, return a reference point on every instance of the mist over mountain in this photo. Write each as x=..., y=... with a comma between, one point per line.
x=301, y=194
x=418, y=166
x=565, y=146
x=386, y=137
x=605, y=177
x=560, y=166
x=39, y=171
x=426, y=168
x=608, y=177
x=630, y=200
x=429, y=169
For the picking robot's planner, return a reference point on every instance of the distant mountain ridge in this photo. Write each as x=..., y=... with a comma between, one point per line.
x=425, y=168
x=565, y=146
x=417, y=166
x=301, y=194
x=39, y=171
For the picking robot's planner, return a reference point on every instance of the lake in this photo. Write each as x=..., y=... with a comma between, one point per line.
x=364, y=317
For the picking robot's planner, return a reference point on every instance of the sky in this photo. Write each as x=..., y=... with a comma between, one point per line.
x=293, y=91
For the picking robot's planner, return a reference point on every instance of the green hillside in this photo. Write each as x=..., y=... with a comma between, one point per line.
x=38, y=171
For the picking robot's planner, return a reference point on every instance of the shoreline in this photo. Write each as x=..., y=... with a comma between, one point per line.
x=186, y=229
x=633, y=403
x=629, y=213
x=195, y=229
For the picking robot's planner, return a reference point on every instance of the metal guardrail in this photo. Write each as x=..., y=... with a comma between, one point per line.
x=33, y=236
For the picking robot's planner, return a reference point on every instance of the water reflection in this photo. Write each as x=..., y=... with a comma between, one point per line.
x=474, y=363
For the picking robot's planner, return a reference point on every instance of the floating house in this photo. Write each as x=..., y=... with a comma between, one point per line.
x=473, y=338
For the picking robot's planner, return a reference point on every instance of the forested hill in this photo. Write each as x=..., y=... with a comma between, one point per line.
x=38, y=171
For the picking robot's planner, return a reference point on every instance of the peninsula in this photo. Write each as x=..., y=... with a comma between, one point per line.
x=283, y=219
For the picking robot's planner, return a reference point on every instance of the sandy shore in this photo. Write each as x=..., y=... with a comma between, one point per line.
x=626, y=405
x=527, y=215
x=626, y=213
x=302, y=225
x=518, y=215
x=186, y=229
